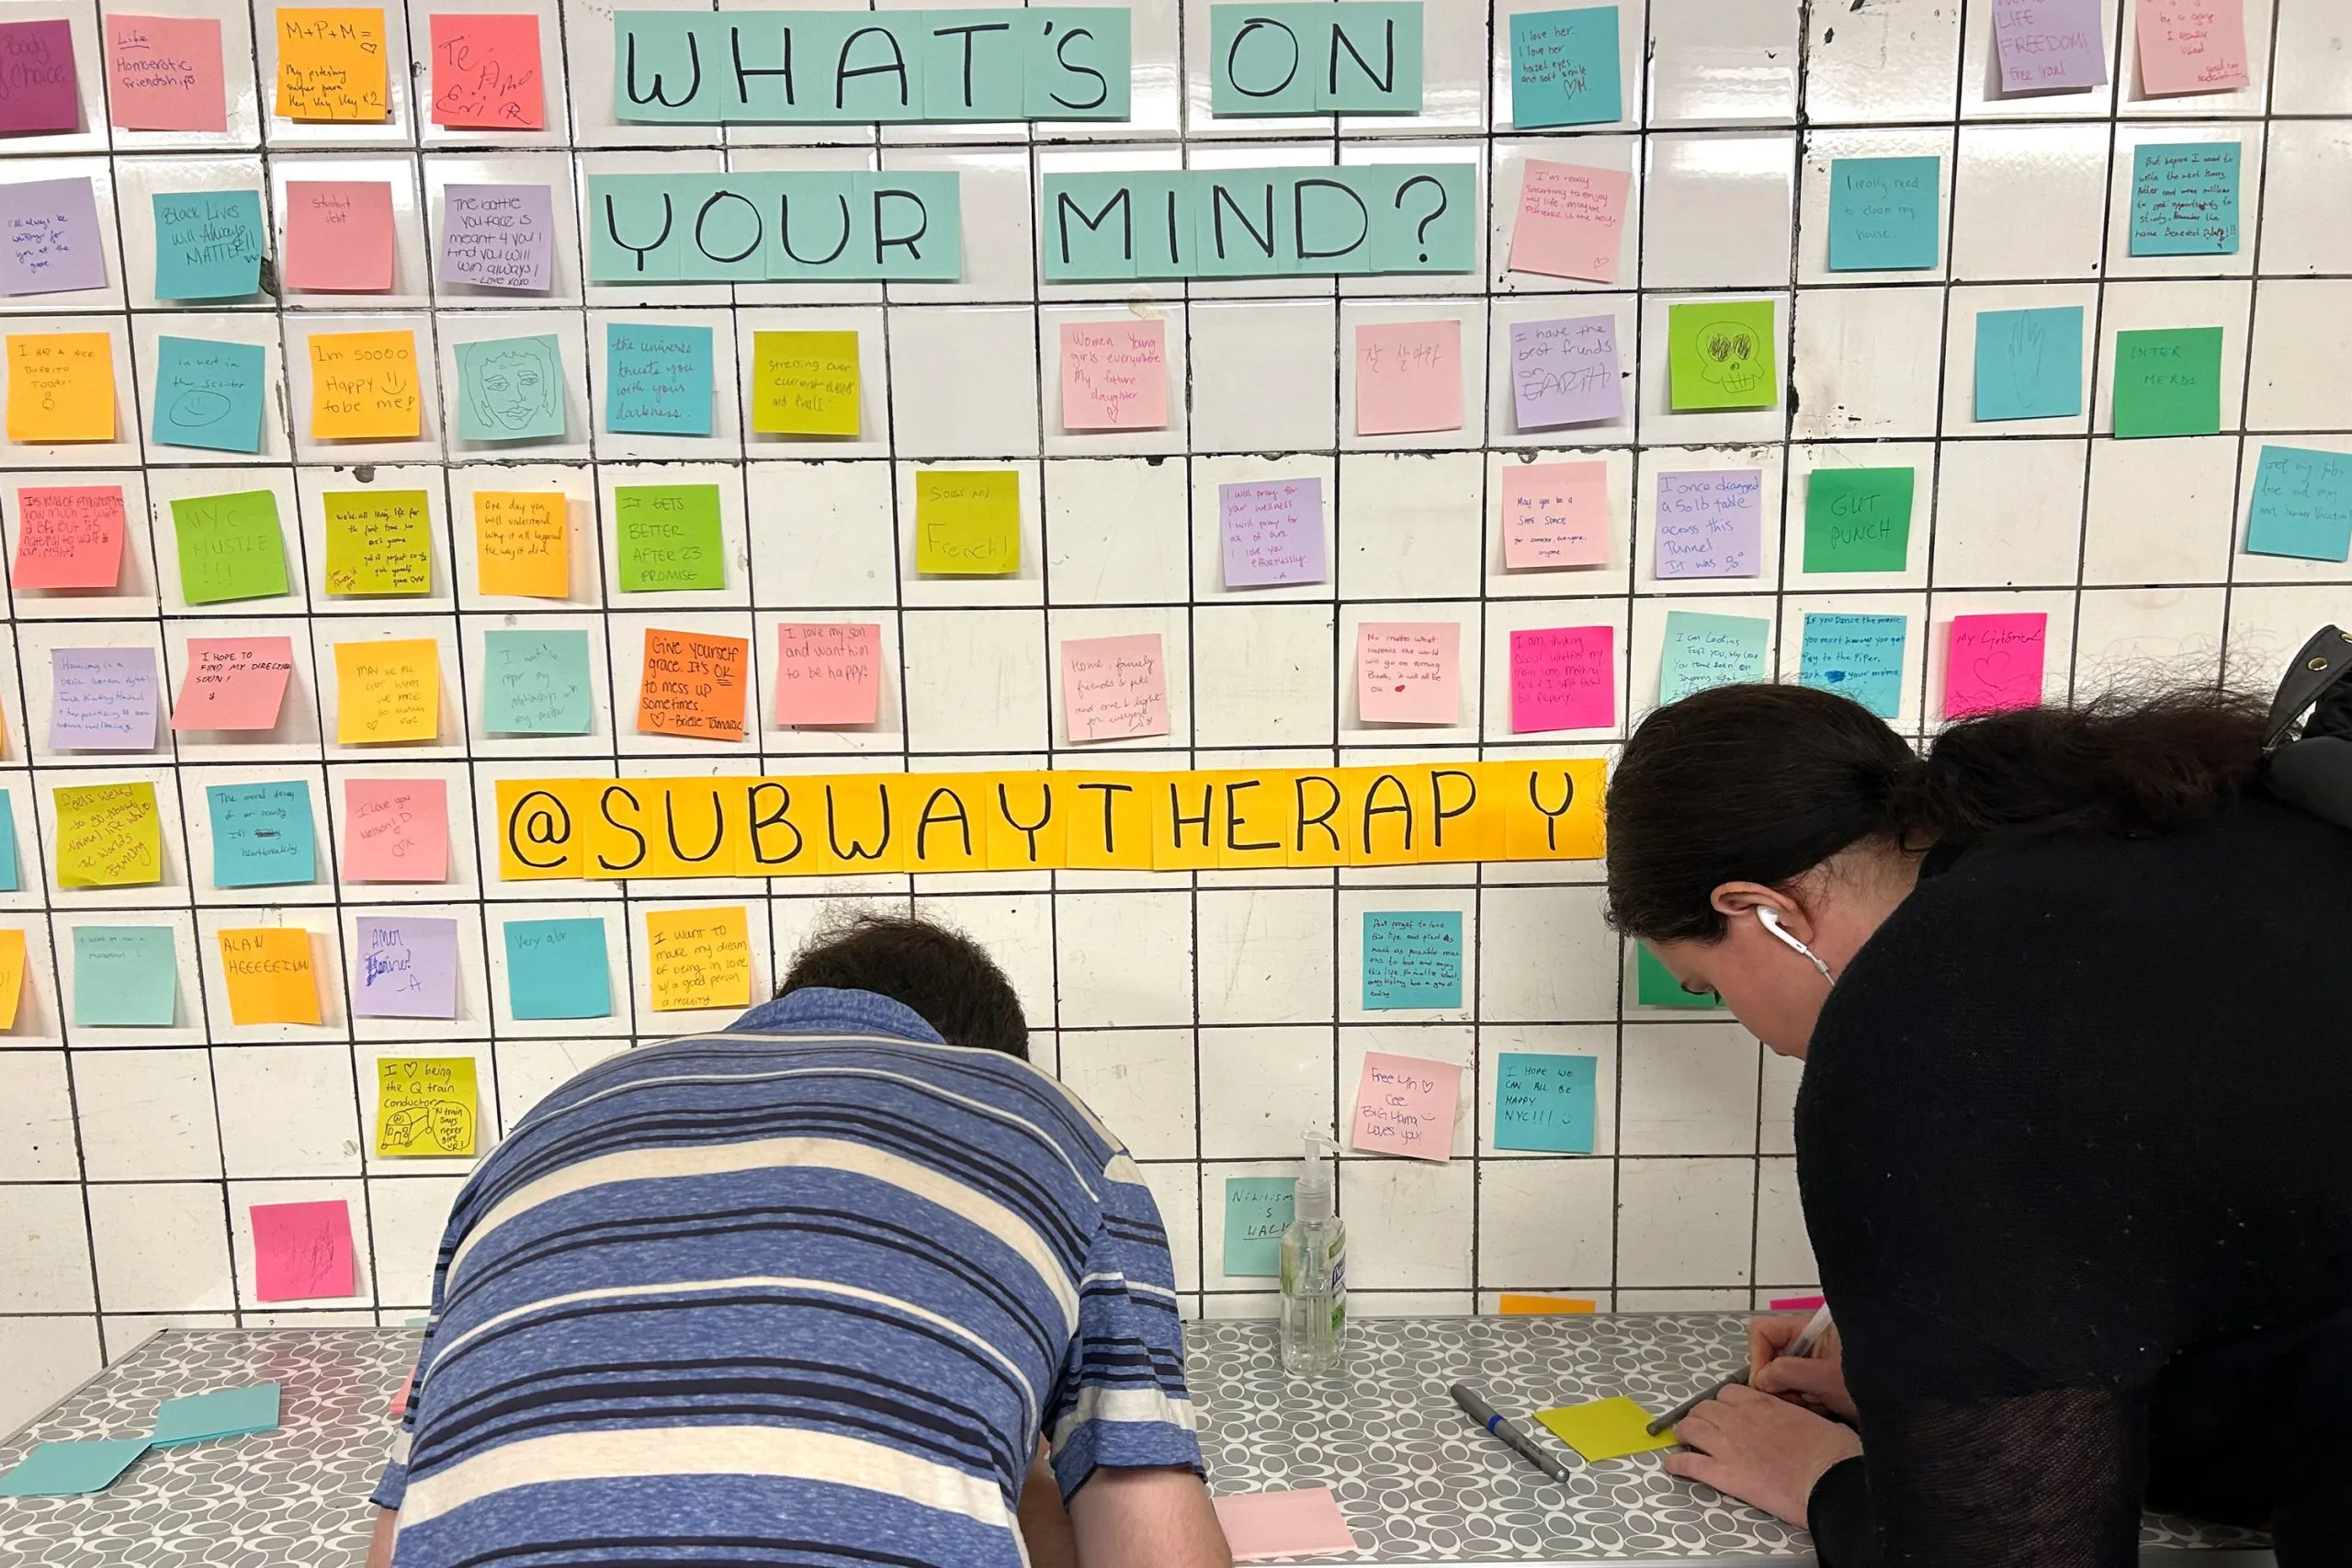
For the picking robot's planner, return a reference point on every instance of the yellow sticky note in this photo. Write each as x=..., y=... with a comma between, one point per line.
x=109, y=835
x=425, y=1105
x=363, y=387
x=378, y=542
x=1606, y=1428
x=268, y=973
x=857, y=831
x=699, y=958
x=1110, y=819
x=388, y=690
x=804, y=383
x=523, y=544
x=331, y=64
x=12, y=976
x=1028, y=821
x=967, y=521
x=942, y=819
x=61, y=387
x=542, y=827
x=1539, y=1306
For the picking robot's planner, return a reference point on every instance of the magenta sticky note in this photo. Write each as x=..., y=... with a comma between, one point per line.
x=1409, y=377
x=396, y=830
x=1302, y=1523
x=102, y=699
x=498, y=236
x=2192, y=46
x=1571, y=221
x=302, y=1251
x=1710, y=523
x=234, y=683
x=828, y=673
x=2050, y=44
x=339, y=235
x=1556, y=515
x=1115, y=688
x=406, y=966
x=1565, y=372
x=38, y=89
x=49, y=237
x=1404, y=1105
x=1995, y=663
x=166, y=73
x=1562, y=678
x=1793, y=1304
x=1409, y=672
x=1273, y=532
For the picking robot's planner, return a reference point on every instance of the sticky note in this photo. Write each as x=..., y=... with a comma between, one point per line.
x=1409, y=672
x=1720, y=355
x=659, y=379
x=396, y=830
x=2185, y=198
x=1518, y=1304
x=1115, y=688
x=1554, y=515
x=331, y=64
x=668, y=537
x=698, y=958
x=208, y=243
x=536, y=682
x=166, y=73
x=1858, y=519
x=389, y=691
x=2301, y=505
x=229, y=1413
x=557, y=969
x=61, y=387
x=1409, y=377
x=1564, y=68
x=50, y=234
x=967, y=521
x=12, y=966
x=108, y=835
x=2192, y=46
x=103, y=699
x=1257, y=1209
x=234, y=683
x=2050, y=44
x=2029, y=363
x=1995, y=663
x=498, y=236
x=1704, y=650
x=522, y=544
x=694, y=684
x=1273, y=532
x=510, y=390
x=1656, y=986
x=267, y=971
x=805, y=383
x=1412, y=958
x=261, y=834
x=1856, y=656
x=1114, y=375
x=1544, y=1103
x=229, y=546
x=1571, y=221
x=828, y=673
x=2168, y=382
x=1795, y=1304
x=1885, y=214
x=125, y=976
x=363, y=387
x=1606, y=1428
x=425, y=1105
x=1565, y=372
x=10, y=868
x=1710, y=524
x=44, y=91
x=89, y=1464
x=208, y=394
x=486, y=71
x=1403, y=1105
x=378, y=542
x=1562, y=678
x=302, y=1251
x=339, y=236
x=1302, y=1523
x=406, y=966
x=68, y=537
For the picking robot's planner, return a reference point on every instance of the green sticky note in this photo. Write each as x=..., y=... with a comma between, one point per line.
x=1077, y=65
x=208, y=244
x=261, y=834
x=668, y=537
x=229, y=546
x=557, y=969
x=1368, y=55
x=125, y=976
x=378, y=541
x=1720, y=355
x=1257, y=1209
x=231, y=1413
x=1656, y=986
x=1564, y=68
x=1425, y=217
x=2302, y=507
x=1704, y=650
x=2168, y=382
x=973, y=67
x=2029, y=363
x=1262, y=58
x=1858, y=519
x=9, y=875
x=510, y=390
x=1884, y=213
x=69, y=1470
x=536, y=682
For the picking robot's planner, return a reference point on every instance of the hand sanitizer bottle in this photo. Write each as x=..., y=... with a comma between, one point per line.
x=1315, y=1268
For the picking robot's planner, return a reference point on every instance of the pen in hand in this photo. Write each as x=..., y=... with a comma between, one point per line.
x=1474, y=1404
x=1807, y=1338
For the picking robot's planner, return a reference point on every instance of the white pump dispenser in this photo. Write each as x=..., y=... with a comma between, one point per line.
x=1314, y=1267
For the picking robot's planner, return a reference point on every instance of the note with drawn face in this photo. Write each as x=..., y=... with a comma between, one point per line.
x=208, y=394
x=510, y=390
x=1720, y=355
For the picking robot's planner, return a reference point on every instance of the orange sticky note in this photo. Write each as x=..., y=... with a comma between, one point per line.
x=1409, y=377
x=166, y=73
x=331, y=65
x=61, y=387
x=1571, y=222
x=339, y=235
x=1302, y=1523
x=693, y=685
x=234, y=683
x=363, y=387
x=12, y=976
x=268, y=973
x=69, y=536
x=1554, y=515
x=1114, y=375
x=1114, y=687
x=1409, y=672
x=828, y=674
x=486, y=71
x=396, y=830
x=1540, y=1307
x=388, y=690
x=522, y=544
x=2192, y=46
x=698, y=958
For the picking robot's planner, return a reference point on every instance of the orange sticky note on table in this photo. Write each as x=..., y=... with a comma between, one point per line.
x=12, y=975
x=396, y=830
x=387, y=690
x=486, y=71
x=1554, y=515
x=693, y=685
x=1404, y=1105
x=1571, y=222
x=1301, y=1523
x=1114, y=375
x=364, y=388
x=1114, y=687
x=302, y=1251
x=234, y=683
x=267, y=969
x=1409, y=671
x=2192, y=46
x=828, y=673
x=331, y=64
x=339, y=235
x=166, y=73
x=698, y=958
x=61, y=387
x=69, y=536
x=522, y=544
x=1409, y=377
x=1513, y=1305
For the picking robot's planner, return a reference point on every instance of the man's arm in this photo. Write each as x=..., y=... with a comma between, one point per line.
x=379, y=1545
x=1146, y=1518
x=1044, y=1523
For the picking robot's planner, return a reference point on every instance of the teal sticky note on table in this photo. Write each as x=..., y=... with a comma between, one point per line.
x=536, y=682
x=1704, y=650
x=1544, y=1103
x=208, y=394
x=125, y=976
x=10, y=878
x=69, y=1470
x=510, y=390
x=1077, y=63
x=557, y=969
x=657, y=379
x=208, y=244
x=1884, y=213
x=2185, y=199
x=1412, y=958
x=2302, y=507
x=1858, y=519
x=1856, y=656
x=261, y=834
x=2168, y=382
x=1257, y=1209
x=1564, y=68
x=2029, y=363
x=1656, y=986
x=229, y=1413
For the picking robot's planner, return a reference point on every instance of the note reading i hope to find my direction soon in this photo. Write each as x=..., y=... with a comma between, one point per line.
x=396, y=830
x=1273, y=532
x=1257, y=1209
x=698, y=958
x=1412, y=958
x=2192, y=46
x=2049, y=44
x=1571, y=221
x=497, y=236
x=1409, y=377
x=50, y=228
x=1544, y=1103
x=1409, y=672
x=69, y=536
x=1710, y=524
x=828, y=673
x=102, y=699
x=1554, y=515
x=166, y=73
x=331, y=65
x=302, y=1251
x=1115, y=688
x=522, y=544
x=425, y=1105
x=1995, y=663
x=363, y=387
x=1114, y=375
x=268, y=974
x=1562, y=678
x=486, y=71
x=1404, y=1105
x=408, y=968
x=234, y=683
x=693, y=685
x=1565, y=372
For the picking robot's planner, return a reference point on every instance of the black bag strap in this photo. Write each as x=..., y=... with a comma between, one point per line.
x=2318, y=667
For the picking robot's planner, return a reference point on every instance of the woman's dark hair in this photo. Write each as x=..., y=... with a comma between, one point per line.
x=1762, y=783
x=943, y=975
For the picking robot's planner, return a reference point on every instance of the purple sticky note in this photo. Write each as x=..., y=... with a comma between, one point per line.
x=2048, y=44
x=102, y=699
x=406, y=967
x=37, y=87
x=1273, y=532
x=1710, y=523
x=49, y=237
x=1565, y=372
x=498, y=236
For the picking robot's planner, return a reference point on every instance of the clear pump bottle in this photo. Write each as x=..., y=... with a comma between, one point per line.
x=1315, y=1268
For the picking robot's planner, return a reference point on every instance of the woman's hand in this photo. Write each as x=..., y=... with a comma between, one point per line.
x=1760, y=1449
x=1815, y=1379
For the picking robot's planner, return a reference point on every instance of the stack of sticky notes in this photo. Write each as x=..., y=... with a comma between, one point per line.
x=1605, y=1428
x=72, y=1468
x=1303, y=1522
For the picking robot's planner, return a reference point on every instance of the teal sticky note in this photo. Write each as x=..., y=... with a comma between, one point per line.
x=1242, y=224
x=913, y=226
x=10, y=878
x=2185, y=199
x=1257, y=1209
x=818, y=222
x=1092, y=225
x=657, y=379
x=635, y=230
x=1076, y=62
x=557, y=969
x=231, y=1413
x=69, y=1470
x=208, y=394
x=764, y=91
x=1412, y=958
x=974, y=66
x=1261, y=59
x=1368, y=55
x=261, y=834
x=208, y=244
x=2302, y=507
x=1704, y=650
x=536, y=682
x=125, y=976
x=667, y=66
x=1856, y=656
x=1544, y=1103
x=867, y=66
x=1656, y=986
x=1564, y=68
x=2029, y=363
x=1425, y=217
x=1884, y=213
x=510, y=390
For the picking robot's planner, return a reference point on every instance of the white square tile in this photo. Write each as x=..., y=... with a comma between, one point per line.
x=1547, y=956
x=2302, y=331
x=1546, y=1225
x=49, y=1249
x=42, y=1360
x=1409, y=525
x=1408, y=1223
x=407, y=1216
x=2009, y=514
x=1718, y=209
x=1783, y=1255
x=2056, y=172
x=1098, y=938
x=1262, y=379
x=990, y=408
x=2188, y=482
x=147, y=1115
x=1263, y=675
x=161, y=1247
x=1139, y=1082
x=1262, y=1088
x=1115, y=531
x=1686, y=1089
x=1867, y=361
x=37, y=1133
x=1266, y=955
x=1684, y=1222
x=975, y=680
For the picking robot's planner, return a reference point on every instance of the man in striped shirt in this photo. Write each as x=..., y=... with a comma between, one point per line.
x=809, y=1292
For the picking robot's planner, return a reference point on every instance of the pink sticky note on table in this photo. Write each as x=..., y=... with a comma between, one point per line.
x=69, y=536
x=828, y=673
x=486, y=73
x=339, y=235
x=302, y=1251
x=1409, y=671
x=1409, y=377
x=1793, y=1304
x=1304, y=1523
x=1273, y=532
x=1562, y=678
x=1995, y=663
x=1571, y=221
x=1115, y=688
x=1556, y=515
x=2192, y=46
x=166, y=73
x=38, y=90
x=396, y=830
x=399, y=1400
x=234, y=683
x=1114, y=375
x=1405, y=1106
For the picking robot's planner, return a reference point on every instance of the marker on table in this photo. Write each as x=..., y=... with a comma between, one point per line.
x=1473, y=1403
x=1807, y=1338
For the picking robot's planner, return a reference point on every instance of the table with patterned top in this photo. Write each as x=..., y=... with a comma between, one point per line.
x=1417, y=1482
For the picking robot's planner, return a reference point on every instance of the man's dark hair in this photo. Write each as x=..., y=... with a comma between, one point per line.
x=943, y=975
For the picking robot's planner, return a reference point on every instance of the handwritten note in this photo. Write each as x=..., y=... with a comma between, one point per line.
x=425, y=1105
x=536, y=682
x=1571, y=221
x=209, y=394
x=234, y=683
x=49, y=235
x=1273, y=532
x=302, y=1251
x=2302, y=505
x=102, y=699
x=331, y=65
x=108, y=835
x=1704, y=650
x=166, y=73
x=2168, y=382
x=267, y=971
x=1562, y=678
x=1710, y=524
x=261, y=834
x=208, y=243
x=828, y=673
x=389, y=691
x=658, y=379
x=1605, y=1428
x=669, y=538
x=2049, y=44
x=1114, y=375
x=1995, y=663
x=1544, y=1103
x=1412, y=958
x=1720, y=355
x=1305, y=1522
x=396, y=830
x=2192, y=46
x=1115, y=688
x=1257, y=1209
x=693, y=685
x=805, y=383
x=61, y=387
x=1565, y=372
x=511, y=389
x=407, y=967
x=1409, y=377
x=557, y=969
x=498, y=236
x=486, y=71
x=12, y=975
x=363, y=387
x=1858, y=519
x=378, y=542
x=1564, y=68
x=1409, y=672
x=1858, y=656
x=229, y=546
x=1403, y=1105
x=339, y=236
x=1885, y=214
x=698, y=958
x=522, y=544
x=2185, y=198
x=968, y=523
x=39, y=89
x=125, y=977
x=69, y=536
x=2029, y=363
x=1554, y=515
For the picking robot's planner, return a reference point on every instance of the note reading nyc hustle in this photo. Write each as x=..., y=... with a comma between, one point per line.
x=1404, y=1105
x=229, y=546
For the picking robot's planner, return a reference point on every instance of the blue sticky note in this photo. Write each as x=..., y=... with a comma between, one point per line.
x=1856, y=656
x=658, y=379
x=536, y=682
x=231, y=1413
x=1884, y=213
x=208, y=244
x=510, y=390
x=1564, y=68
x=2185, y=199
x=557, y=969
x=2029, y=363
x=208, y=394
x=1544, y=1103
x=261, y=834
x=1710, y=650
x=2302, y=505
x=9, y=877
x=69, y=1470
x=125, y=976
x=1077, y=64
x=1257, y=1209
x=1412, y=958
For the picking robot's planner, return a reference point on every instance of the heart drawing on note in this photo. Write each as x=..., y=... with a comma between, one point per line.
x=1991, y=668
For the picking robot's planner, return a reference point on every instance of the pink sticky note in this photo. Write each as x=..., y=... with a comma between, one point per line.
x=396, y=830
x=1562, y=678
x=1114, y=687
x=1405, y=1106
x=166, y=73
x=2192, y=46
x=1409, y=672
x=486, y=73
x=1556, y=515
x=828, y=673
x=1793, y=1304
x=399, y=1400
x=1259, y=1525
x=1996, y=662
x=1571, y=222
x=339, y=235
x=1409, y=377
x=69, y=536
x=302, y=1251
x=38, y=90
x=234, y=683
x=1114, y=375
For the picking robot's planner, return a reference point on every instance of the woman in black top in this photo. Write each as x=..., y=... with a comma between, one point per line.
x=2074, y=1139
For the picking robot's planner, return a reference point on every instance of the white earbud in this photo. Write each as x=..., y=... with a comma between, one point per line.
x=1769, y=919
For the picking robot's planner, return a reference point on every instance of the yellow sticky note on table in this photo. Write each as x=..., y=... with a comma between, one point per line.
x=331, y=64
x=523, y=544
x=1606, y=1428
x=388, y=690
x=699, y=958
x=378, y=542
x=804, y=383
x=425, y=1105
x=108, y=835
x=268, y=973
x=363, y=387
x=967, y=521
x=12, y=976
x=1538, y=1306
x=61, y=387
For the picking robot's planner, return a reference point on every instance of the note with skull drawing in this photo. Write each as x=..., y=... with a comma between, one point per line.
x=510, y=390
x=1720, y=355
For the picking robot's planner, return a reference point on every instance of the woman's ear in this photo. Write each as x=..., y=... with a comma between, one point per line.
x=1737, y=901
